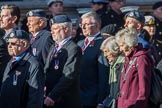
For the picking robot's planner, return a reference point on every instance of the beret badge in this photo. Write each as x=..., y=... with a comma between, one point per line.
x=12, y=35
x=30, y=13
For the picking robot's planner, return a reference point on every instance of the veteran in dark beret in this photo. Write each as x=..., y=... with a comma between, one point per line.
x=136, y=20
x=40, y=38
x=62, y=68
x=22, y=84
x=157, y=13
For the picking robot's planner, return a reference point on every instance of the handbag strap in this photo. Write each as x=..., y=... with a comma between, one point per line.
x=131, y=63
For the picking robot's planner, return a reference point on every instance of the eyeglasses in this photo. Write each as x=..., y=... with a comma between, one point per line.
x=87, y=24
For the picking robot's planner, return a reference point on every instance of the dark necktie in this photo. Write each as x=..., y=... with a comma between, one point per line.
x=33, y=38
x=54, y=51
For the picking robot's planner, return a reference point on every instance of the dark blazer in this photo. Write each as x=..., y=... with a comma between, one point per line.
x=94, y=74
x=28, y=92
x=63, y=83
x=111, y=17
x=41, y=45
x=4, y=57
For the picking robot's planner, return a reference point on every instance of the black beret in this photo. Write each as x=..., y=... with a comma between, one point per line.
x=61, y=18
x=136, y=15
x=157, y=5
x=37, y=12
x=20, y=34
x=110, y=29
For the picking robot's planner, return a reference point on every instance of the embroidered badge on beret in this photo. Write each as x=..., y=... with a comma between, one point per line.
x=12, y=35
x=131, y=14
x=30, y=13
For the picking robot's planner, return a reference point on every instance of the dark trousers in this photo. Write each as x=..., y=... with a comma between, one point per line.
x=88, y=106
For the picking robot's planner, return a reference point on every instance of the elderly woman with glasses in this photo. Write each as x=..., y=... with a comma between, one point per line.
x=135, y=83
x=111, y=51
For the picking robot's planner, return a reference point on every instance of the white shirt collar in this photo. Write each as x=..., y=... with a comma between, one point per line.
x=64, y=41
x=90, y=38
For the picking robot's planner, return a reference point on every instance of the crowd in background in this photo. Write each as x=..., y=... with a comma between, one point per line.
x=105, y=61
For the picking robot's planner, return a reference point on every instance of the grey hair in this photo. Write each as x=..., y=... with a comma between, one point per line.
x=111, y=45
x=128, y=36
x=44, y=19
x=67, y=24
x=94, y=15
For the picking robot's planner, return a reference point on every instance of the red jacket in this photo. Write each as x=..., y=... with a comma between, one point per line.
x=135, y=91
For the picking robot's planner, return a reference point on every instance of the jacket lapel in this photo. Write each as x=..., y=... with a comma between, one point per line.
x=20, y=63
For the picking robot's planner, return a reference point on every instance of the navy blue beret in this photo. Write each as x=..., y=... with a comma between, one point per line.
x=37, y=12
x=20, y=34
x=136, y=15
x=157, y=5
x=60, y=19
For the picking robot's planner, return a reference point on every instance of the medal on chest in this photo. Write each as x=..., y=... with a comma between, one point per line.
x=56, y=64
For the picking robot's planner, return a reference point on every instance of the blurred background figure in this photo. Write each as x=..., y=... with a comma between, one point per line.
x=113, y=15
x=157, y=13
x=109, y=30
x=10, y=15
x=149, y=26
x=55, y=7
x=126, y=9
x=100, y=7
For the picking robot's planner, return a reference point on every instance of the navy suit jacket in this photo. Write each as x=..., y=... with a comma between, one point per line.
x=41, y=45
x=28, y=92
x=94, y=73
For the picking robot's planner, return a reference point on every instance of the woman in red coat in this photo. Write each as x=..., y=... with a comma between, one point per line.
x=135, y=83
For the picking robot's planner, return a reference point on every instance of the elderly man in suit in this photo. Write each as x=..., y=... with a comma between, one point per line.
x=62, y=67
x=94, y=69
x=22, y=85
x=41, y=39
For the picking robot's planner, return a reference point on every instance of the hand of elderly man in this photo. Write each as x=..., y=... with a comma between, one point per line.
x=49, y=102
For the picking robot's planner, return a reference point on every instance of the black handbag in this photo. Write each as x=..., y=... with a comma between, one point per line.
x=156, y=87
x=109, y=102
